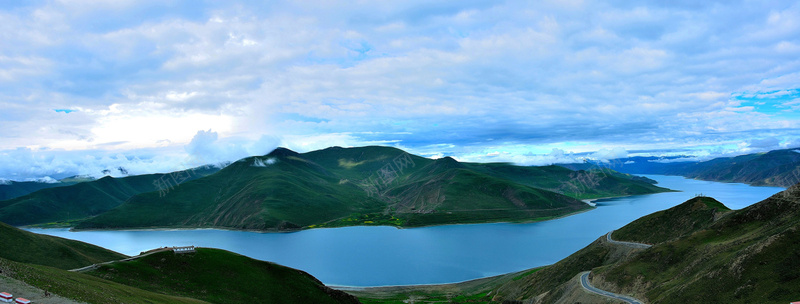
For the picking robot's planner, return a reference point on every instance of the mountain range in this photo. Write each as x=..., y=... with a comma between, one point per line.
x=286, y=190
x=697, y=251
x=66, y=204
x=774, y=168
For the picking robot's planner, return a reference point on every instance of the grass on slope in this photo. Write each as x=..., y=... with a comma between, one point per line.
x=294, y=192
x=778, y=167
x=473, y=291
x=16, y=189
x=748, y=256
x=581, y=184
x=286, y=195
x=220, y=276
x=82, y=287
x=548, y=281
x=81, y=200
x=285, y=190
x=360, y=163
x=675, y=222
x=519, y=286
x=28, y=247
x=457, y=195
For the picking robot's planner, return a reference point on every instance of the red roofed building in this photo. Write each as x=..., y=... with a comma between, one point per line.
x=23, y=301
x=6, y=297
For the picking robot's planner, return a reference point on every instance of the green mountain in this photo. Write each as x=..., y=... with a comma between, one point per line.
x=582, y=184
x=702, y=252
x=211, y=275
x=13, y=189
x=774, y=168
x=79, y=287
x=82, y=200
x=285, y=190
x=27, y=247
x=747, y=256
x=219, y=276
x=675, y=222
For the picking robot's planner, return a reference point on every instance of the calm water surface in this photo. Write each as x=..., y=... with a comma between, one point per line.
x=373, y=256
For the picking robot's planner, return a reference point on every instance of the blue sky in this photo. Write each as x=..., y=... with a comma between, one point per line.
x=155, y=86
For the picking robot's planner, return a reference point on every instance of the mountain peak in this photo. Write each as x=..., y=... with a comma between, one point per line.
x=447, y=160
x=705, y=202
x=282, y=152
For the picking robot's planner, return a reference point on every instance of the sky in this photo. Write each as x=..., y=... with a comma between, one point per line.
x=159, y=86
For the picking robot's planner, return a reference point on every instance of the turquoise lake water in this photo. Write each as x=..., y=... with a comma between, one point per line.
x=377, y=256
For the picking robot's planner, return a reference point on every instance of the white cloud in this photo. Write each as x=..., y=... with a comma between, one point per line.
x=145, y=76
x=46, y=180
x=607, y=154
x=258, y=162
x=207, y=148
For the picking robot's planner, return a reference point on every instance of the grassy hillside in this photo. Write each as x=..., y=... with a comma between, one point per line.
x=288, y=194
x=220, y=276
x=703, y=253
x=82, y=200
x=446, y=191
x=212, y=275
x=285, y=190
x=82, y=287
x=543, y=283
x=747, y=256
x=774, y=168
x=582, y=184
x=27, y=247
x=675, y=222
x=13, y=189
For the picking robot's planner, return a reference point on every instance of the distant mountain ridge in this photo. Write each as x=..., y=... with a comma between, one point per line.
x=14, y=189
x=77, y=201
x=286, y=190
x=774, y=168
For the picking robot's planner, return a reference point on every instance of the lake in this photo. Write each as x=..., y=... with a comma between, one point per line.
x=377, y=256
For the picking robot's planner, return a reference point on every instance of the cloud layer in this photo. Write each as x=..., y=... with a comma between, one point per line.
x=137, y=83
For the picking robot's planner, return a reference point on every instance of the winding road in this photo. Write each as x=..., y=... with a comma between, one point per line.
x=588, y=286
x=93, y=266
x=629, y=244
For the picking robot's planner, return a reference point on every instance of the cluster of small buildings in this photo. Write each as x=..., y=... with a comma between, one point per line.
x=9, y=298
x=187, y=249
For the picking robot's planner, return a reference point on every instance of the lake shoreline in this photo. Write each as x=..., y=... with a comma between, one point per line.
x=376, y=256
x=535, y=220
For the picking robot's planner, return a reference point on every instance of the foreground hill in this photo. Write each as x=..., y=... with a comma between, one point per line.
x=27, y=247
x=285, y=190
x=211, y=275
x=702, y=253
x=748, y=256
x=79, y=287
x=82, y=200
x=775, y=168
x=219, y=276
